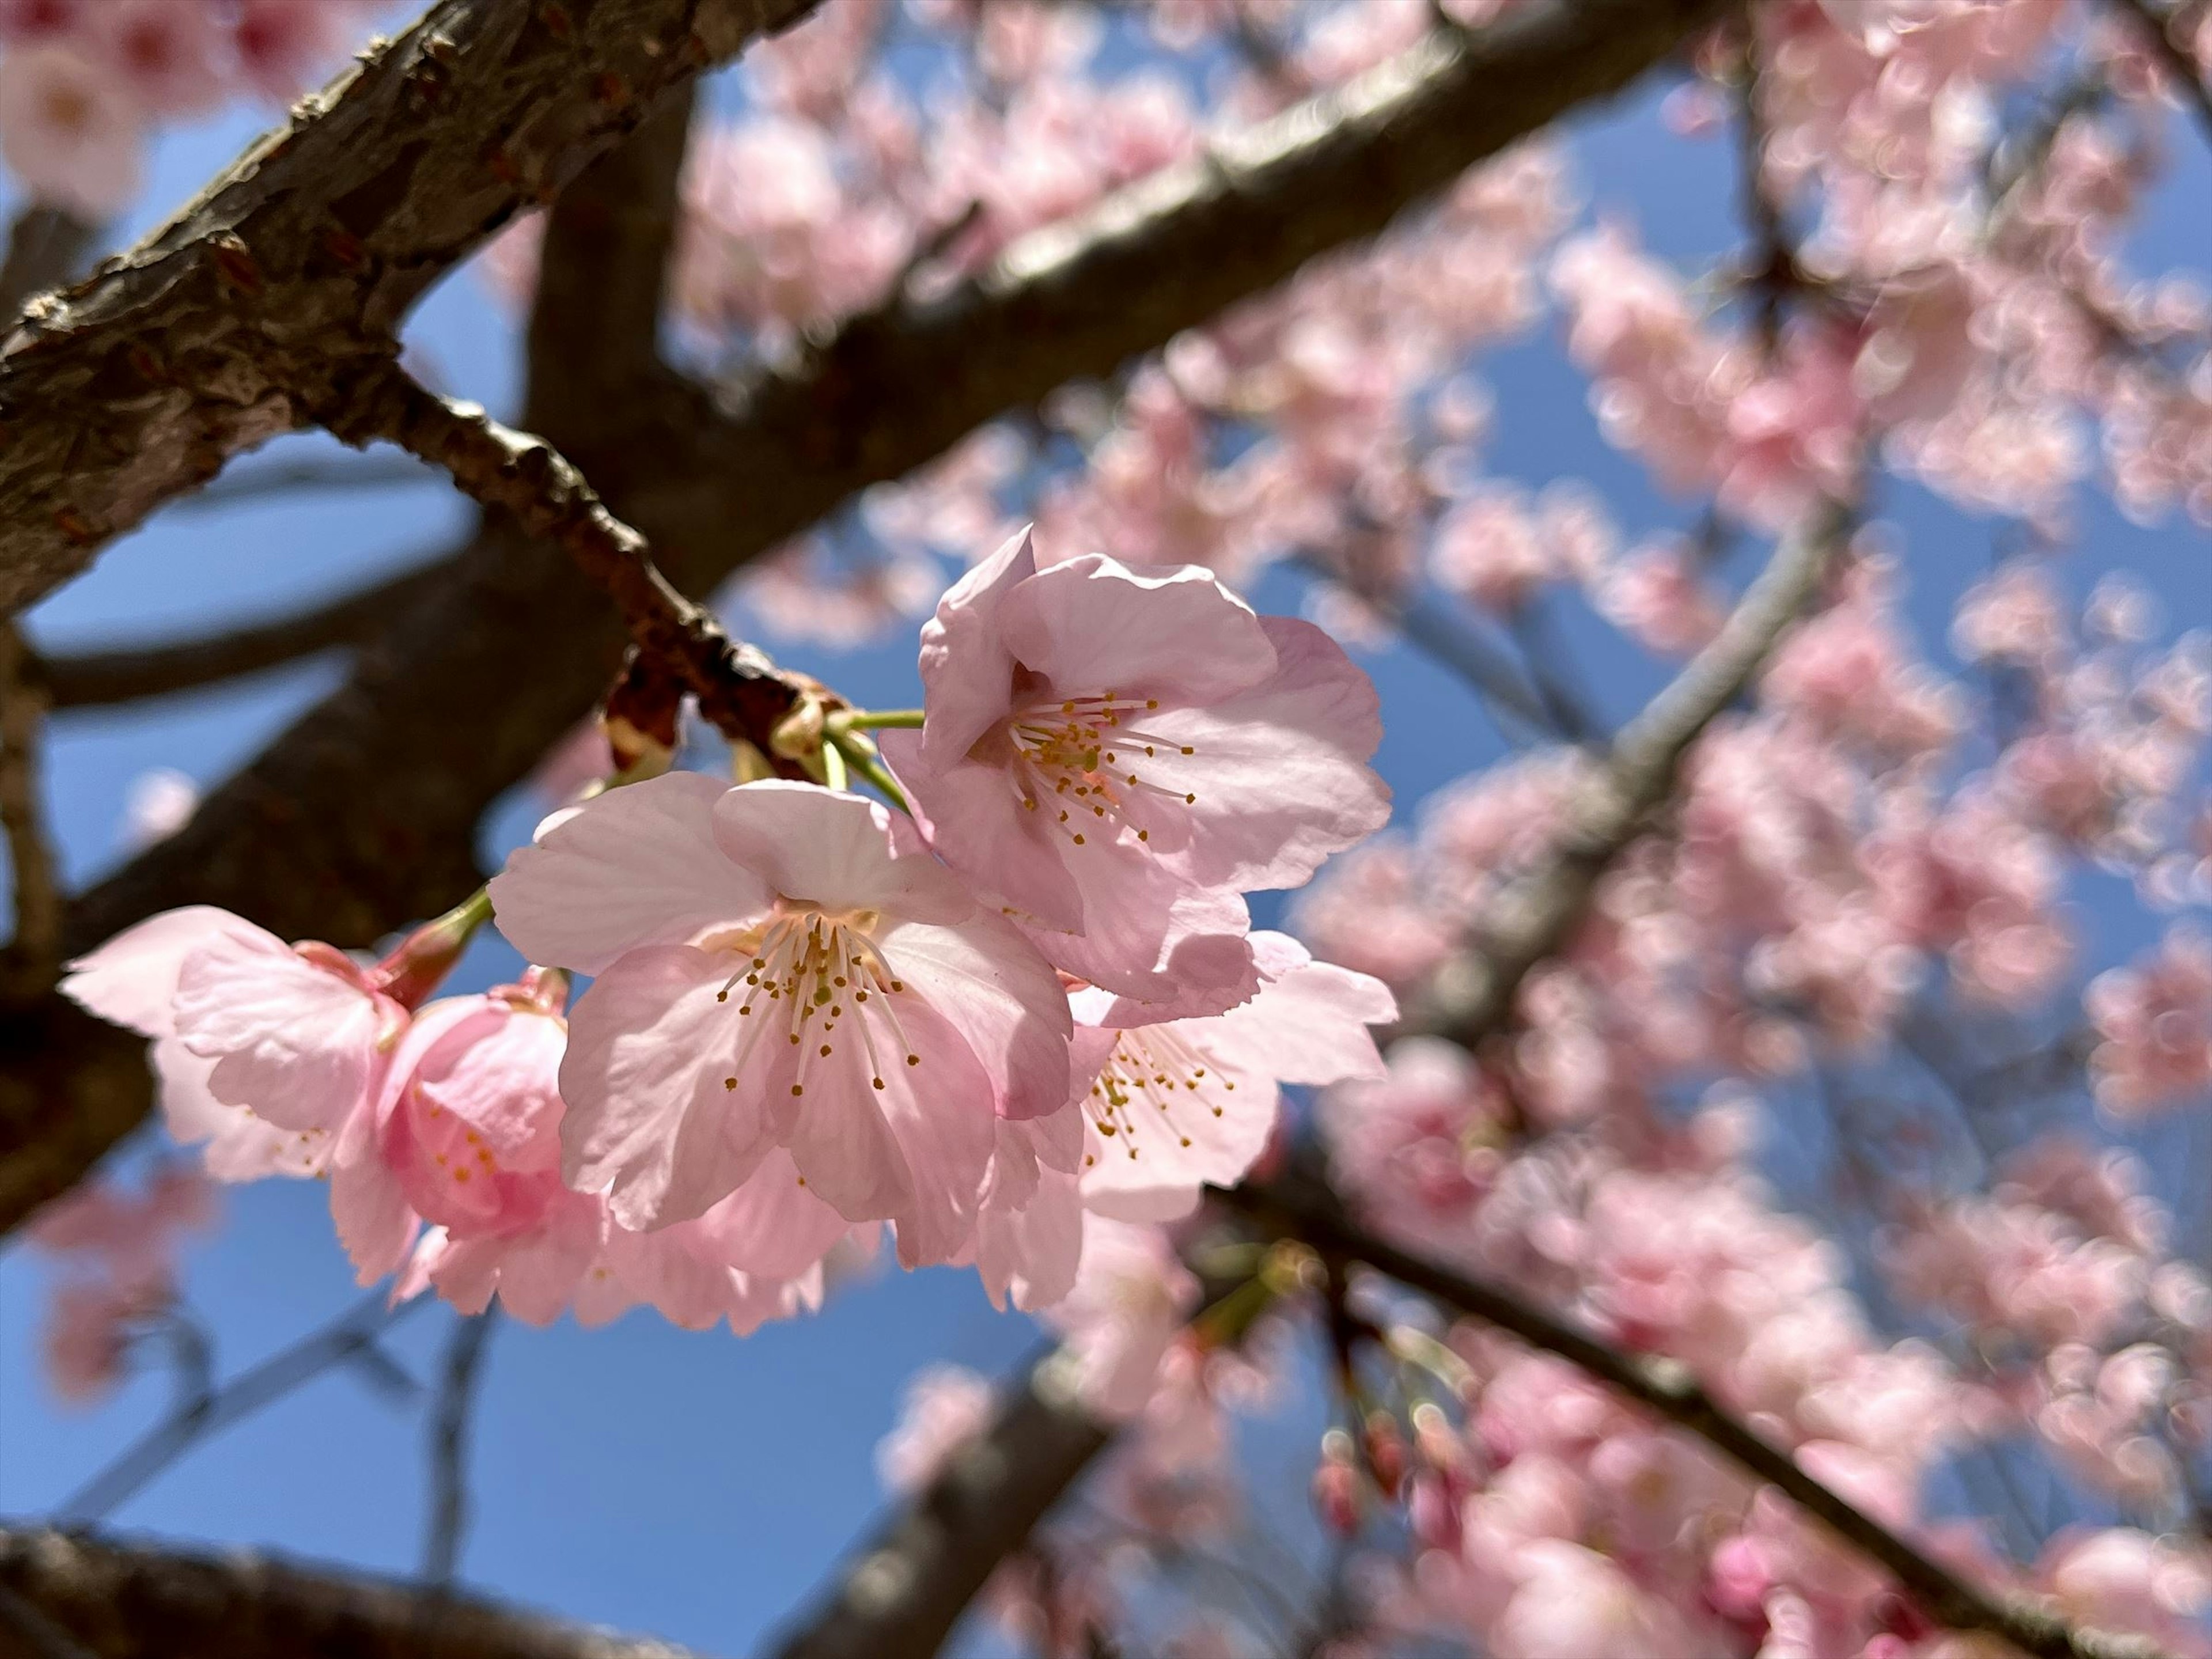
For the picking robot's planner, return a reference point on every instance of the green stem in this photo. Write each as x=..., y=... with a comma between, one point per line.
x=868, y=720
x=860, y=754
x=833, y=766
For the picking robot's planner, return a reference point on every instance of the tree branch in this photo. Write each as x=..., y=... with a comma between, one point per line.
x=1472, y=994
x=117, y=674
x=1667, y=1389
x=362, y=816
x=449, y=1448
x=350, y=1337
x=900, y=1595
x=115, y=1600
x=29, y=962
x=738, y=689
x=312, y=247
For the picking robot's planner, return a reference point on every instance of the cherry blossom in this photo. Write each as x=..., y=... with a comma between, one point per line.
x=1113, y=758
x=727, y=929
x=1181, y=1105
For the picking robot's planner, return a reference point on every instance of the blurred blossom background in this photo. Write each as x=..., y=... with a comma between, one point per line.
x=1879, y=1087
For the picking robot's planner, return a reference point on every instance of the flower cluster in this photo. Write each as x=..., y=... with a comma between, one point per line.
x=812, y=1017
x=82, y=82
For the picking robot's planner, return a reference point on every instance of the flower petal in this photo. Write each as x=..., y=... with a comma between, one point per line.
x=1092, y=625
x=988, y=983
x=635, y=865
x=649, y=1111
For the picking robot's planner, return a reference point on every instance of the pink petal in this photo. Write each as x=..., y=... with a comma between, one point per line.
x=774, y=1226
x=1280, y=771
x=635, y=865
x=976, y=819
x=374, y=1220
x=989, y=984
x=914, y=1152
x=649, y=1049
x=825, y=847
x=132, y=979
x=966, y=668
x=292, y=1039
x=1092, y=625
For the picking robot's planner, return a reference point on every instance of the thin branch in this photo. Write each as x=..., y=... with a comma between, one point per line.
x=118, y=1601
x=745, y=695
x=32, y=959
x=363, y=816
x=1666, y=1388
x=1473, y=992
x=2160, y=20
x=449, y=1450
x=312, y=247
x=201, y=1416
x=118, y=674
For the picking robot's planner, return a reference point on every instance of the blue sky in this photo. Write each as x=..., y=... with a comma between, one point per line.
x=697, y=1485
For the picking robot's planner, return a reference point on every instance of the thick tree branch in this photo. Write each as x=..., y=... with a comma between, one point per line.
x=362, y=816
x=1311, y=1215
x=92, y=679
x=202, y=341
x=117, y=1601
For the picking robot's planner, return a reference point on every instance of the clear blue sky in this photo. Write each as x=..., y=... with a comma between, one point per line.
x=698, y=1485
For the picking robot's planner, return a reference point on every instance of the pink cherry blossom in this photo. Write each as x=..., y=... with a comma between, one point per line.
x=730, y=931
x=465, y=1130
x=1181, y=1105
x=1129, y=1301
x=1114, y=757
x=117, y=1252
x=2154, y=1022
x=268, y=1054
x=70, y=130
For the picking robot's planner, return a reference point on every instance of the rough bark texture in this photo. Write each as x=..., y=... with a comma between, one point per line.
x=201, y=342
x=115, y=1600
x=362, y=816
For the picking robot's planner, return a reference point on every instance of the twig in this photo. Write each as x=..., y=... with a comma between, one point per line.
x=32, y=959
x=352, y=1333
x=449, y=1450
x=1472, y=992
x=1666, y=1387
x=739, y=691
x=116, y=674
